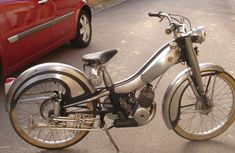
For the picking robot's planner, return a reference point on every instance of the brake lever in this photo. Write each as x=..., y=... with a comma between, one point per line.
x=161, y=19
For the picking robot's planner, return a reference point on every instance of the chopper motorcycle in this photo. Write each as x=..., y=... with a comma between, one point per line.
x=54, y=105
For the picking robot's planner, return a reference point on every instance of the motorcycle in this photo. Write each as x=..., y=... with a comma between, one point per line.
x=54, y=105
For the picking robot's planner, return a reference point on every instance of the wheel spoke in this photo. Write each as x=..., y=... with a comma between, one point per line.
x=82, y=21
x=195, y=122
x=82, y=30
x=207, y=86
x=34, y=110
x=84, y=36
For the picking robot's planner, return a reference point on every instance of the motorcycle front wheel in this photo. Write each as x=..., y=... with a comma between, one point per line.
x=196, y=123
x=32, y=114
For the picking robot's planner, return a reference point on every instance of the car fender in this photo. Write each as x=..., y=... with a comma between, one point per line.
x=73, y=78
x=3, y=67
x=81, y=6
x=170, y=105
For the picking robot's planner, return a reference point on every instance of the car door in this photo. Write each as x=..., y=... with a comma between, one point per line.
x=64, y=25
x=25, y=30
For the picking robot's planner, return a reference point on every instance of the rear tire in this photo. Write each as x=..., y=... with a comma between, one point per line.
x=34, y=105
x=197, y=125
x=84, y=31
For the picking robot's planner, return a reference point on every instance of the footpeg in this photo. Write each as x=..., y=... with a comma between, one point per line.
x=130, y=122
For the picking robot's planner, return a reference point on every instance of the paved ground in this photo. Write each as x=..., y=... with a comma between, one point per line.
x=128, y=28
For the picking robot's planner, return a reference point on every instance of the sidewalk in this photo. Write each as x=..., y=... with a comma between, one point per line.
x=98, y=5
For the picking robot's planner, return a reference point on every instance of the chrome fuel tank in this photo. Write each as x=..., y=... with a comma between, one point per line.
x=161, y=61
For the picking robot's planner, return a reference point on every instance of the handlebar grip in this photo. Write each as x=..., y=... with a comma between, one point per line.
x=153, y=14
x=170, y=29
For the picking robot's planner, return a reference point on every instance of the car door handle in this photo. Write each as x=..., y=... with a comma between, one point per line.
x=42, y=1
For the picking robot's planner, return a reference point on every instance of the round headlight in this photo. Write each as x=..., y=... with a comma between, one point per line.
x=200, y=34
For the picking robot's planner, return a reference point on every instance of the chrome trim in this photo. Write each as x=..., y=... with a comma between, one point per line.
x=200, y=33
x=13, y=39
x=59, y=19
x=29, y=32
x=54, y=127
x=75, y=88
x=42, y=1
x=75, y=129
x=170, y=102
x=38, y=28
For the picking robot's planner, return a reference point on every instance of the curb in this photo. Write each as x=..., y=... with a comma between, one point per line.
x=105, y=5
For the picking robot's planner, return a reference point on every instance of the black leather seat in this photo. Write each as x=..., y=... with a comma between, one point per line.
x=99, y=57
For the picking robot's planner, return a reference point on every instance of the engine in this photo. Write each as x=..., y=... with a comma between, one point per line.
x=142, y=110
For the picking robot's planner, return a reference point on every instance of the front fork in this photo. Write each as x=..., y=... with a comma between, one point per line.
x=196, y=74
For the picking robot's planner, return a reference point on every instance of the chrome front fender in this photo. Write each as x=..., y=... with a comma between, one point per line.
x=69, y=75
x=170, y=105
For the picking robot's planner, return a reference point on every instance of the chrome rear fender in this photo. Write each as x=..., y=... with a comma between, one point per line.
x=170, y=105
x=74, y=79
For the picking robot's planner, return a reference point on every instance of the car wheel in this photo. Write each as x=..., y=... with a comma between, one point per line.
x=84, y=32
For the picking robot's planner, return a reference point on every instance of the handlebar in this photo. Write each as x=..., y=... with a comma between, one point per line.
x=161, y=15
x=177, y=25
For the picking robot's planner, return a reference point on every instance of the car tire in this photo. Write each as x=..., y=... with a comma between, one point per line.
x=84, y=31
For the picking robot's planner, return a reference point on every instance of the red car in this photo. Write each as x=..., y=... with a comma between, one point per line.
x=32, y=28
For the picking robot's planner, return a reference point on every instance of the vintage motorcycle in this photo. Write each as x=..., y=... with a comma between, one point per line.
x=55, y=105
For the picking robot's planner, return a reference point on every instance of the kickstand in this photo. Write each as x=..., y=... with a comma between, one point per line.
x=103, y=125
x=110, y=137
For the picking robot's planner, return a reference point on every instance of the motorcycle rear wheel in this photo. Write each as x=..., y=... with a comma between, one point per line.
x=197, y=125
x=29, y=107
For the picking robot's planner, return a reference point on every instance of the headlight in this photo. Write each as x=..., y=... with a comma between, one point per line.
x=198, y=34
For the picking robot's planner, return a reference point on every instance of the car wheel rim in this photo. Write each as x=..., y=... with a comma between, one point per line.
x=84, y=28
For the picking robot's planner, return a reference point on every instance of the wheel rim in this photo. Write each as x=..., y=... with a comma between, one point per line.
x=28, y=111
x=196, y=123
x=85, y=30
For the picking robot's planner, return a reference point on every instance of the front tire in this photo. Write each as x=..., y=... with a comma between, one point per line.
x=84, y=31
x=195, y=124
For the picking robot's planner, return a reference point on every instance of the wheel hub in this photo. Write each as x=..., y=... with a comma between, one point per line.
x=203, y=108
x=47, y=110
x=85, y=28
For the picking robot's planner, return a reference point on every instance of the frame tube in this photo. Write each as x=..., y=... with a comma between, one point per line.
x=160, y=62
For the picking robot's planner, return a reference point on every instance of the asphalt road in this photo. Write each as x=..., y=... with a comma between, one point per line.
x=128, y=28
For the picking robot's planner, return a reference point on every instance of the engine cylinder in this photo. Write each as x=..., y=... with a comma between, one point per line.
x=146, y=96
